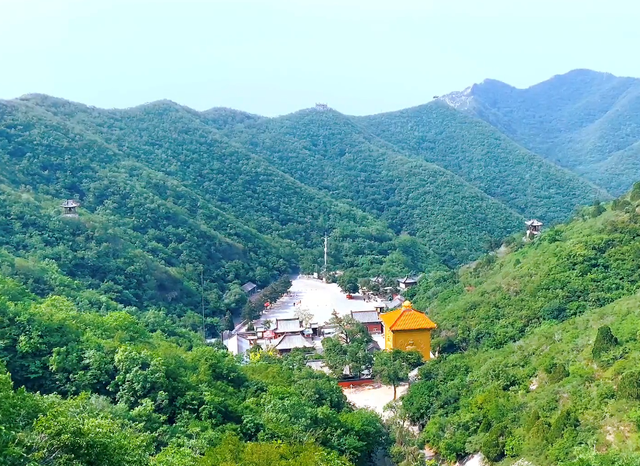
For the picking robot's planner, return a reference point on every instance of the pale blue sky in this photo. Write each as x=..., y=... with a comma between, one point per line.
x=276, y=56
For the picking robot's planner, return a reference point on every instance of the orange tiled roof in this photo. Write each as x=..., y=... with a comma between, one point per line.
x=390, y=317
x=407, y=318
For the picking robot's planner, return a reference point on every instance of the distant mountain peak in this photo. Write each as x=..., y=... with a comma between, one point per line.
x=461, y=100
x=40, y=98
x=465, y=99
x=584, y=72
x=583, y=120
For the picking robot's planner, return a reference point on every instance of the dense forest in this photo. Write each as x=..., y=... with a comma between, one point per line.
x=169, y=212
x=539, y=347
x=121, y=389
x=326, y=150
x=485, y=158
x=102, y=359
x=583, y=120
x=178, y=204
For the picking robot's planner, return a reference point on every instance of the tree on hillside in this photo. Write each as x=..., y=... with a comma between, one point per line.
x=605, y=341
x=348, y=282
x=367, y=284
x=635, y=192
x=597, y=208
x=227, y=323
x=348, y=348
x=629, y=385
x=305, y=316
x=235, y=298
x=251, y=311
x=393, y=367
x=276, y=290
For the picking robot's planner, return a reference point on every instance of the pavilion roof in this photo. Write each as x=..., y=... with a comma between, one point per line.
x=288, y=325
x=247, y=287
x=289, y=342
x=407, y=318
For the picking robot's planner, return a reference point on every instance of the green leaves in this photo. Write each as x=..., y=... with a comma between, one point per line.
x=393, y=367
x=122, y=396
x=68, y=436
x=541, y=349
x=605, y=341
x=348, y=348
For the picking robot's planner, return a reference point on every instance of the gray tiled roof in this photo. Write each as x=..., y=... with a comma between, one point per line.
x=247, y=287
x=288, y=325
x=288, y=342
x=408, y=280
x=366, y=317
x=395, y=302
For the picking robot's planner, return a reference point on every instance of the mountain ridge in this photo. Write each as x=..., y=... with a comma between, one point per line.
x=265, y=172
x=585, y=121
x=330, y=151
x=483, y=157
x=52, y=157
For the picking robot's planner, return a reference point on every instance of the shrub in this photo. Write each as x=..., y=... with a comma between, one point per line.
x=558, y=373
x=635, y=192
x=493, y=444
x=629, y=386
x=564, y=421
x=605, y=341
x=554, y=310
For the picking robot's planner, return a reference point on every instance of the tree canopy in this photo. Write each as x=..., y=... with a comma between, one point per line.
x=113, y=389
x=538, y=348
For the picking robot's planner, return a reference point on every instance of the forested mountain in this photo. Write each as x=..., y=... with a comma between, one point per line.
x=485, y=158
x=584, y=120
x=174, y=199
x=539, y=347
x=538, y=344
x=325, y=149
x=164, y=198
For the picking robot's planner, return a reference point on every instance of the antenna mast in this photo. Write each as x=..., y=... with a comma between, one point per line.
x=204, y=330
x=326, y=248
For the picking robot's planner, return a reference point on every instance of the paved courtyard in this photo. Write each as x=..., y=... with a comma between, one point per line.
x=320, y=298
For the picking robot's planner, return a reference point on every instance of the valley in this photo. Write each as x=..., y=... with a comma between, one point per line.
x=119, y=335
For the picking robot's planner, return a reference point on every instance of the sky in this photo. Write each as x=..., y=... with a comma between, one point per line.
x=273, y=57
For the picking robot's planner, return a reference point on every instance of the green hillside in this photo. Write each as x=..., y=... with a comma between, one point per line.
x=180, y=143
x=326, y=150
x=286, y=180
x=538, y=343
x=81, y=388
x=522, y=372
x=163, y=197
x=140, y=236
x=485, y=158
x=583, y=120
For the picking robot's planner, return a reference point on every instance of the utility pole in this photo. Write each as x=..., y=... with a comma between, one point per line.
x=204, y=332
x=326, y=248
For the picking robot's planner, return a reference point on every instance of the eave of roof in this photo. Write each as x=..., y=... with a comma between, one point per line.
x=407, y=319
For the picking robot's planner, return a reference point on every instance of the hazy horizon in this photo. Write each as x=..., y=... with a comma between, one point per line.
x=274, y=57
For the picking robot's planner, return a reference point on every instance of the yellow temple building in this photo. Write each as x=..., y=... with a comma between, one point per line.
x=407, y=329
